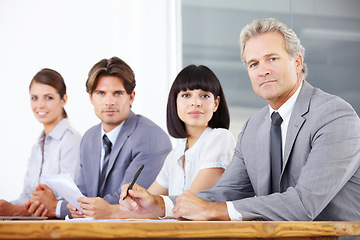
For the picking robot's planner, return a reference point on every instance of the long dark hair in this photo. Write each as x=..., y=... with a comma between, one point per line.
x=190, y=78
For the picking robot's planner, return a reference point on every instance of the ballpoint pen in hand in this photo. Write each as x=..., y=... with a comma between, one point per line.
x=134, y=180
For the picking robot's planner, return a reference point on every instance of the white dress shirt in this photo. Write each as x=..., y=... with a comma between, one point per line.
x=285, y=112
x=61, y=155
x=112, y=135
x=213, y=149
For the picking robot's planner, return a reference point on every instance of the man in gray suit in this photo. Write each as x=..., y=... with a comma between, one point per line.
x=319, y=177
x=112, y=151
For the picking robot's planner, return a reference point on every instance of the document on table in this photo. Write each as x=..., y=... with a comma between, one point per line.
x=116, y=220
x=64, y=186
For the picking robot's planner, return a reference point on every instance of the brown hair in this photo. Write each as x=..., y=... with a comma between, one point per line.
x=111, y=67
x=54, y=79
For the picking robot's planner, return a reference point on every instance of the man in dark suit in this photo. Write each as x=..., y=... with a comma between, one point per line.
x=318, y=174
x=112, y=151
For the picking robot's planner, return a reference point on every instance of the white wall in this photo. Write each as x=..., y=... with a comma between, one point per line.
x=70, y=37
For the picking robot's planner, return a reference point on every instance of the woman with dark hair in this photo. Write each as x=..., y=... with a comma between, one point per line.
x=197, y=115
x=57, y=149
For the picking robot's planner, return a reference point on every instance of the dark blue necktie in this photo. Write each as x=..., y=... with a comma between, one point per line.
x=275, y=151
x=107, y=146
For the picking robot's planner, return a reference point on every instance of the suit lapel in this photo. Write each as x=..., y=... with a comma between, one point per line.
x=93, y=157
x=125, y=132
x=263, y=156
x=297, y=118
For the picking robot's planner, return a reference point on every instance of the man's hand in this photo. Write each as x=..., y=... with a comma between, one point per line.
x=98, y=208
x=75, y=213
x=43, y=202
x=9, y=209
x=189, y=206
x=140, y=201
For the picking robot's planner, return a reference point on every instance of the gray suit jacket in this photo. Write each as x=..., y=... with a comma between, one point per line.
x=320, y=178
x=140, y=141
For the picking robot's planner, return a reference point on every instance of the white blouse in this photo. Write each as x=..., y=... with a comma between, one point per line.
x=214, y=149
x=61, y=155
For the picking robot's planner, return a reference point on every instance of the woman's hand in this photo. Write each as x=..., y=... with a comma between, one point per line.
x=140, y=201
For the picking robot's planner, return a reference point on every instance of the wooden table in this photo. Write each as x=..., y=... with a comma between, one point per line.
x=57, y=229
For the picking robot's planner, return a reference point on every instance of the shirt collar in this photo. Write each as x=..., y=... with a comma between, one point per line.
x=286, y=109
x=58, y=131
x=112, y=135
x=180, y=149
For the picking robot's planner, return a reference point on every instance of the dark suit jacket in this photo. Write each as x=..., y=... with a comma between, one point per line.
x=321, y=176
x=140, y=141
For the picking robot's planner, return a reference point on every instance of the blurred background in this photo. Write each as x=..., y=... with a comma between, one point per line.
x=328, y=29
x=157, y=38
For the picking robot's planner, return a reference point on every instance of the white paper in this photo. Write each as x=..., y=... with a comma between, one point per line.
x=117, y=220
x=64, y=186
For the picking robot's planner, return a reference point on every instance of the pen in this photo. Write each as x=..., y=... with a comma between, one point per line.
x=134, y=180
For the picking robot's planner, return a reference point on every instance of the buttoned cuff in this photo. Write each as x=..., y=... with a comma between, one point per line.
x=58, y=208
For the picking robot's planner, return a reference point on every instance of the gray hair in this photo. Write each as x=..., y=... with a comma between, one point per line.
x=258, y=27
